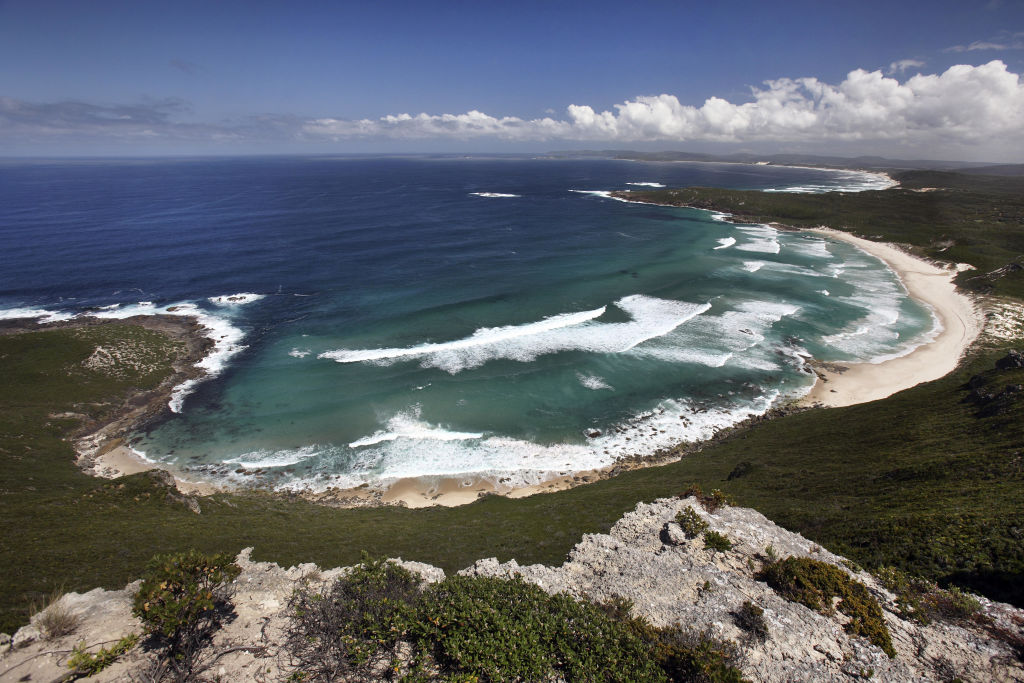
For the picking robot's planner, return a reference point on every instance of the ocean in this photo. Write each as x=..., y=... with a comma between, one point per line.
x=479, y=317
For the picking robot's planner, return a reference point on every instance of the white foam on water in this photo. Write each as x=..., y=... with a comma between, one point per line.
x=263, y=458
x=239, y=299
x=407, y=425
x=509, y=462
x=226, y=340
x=719, y=216
x=651, y=318
x=763, y=239
x=41, y=314
x=809, y=247
x=730, y=337
x=111, y=307
x=647, y=184
x=872, y=337
x=849, y=181
x=496, y=195
x=824, y=291
x=725, y=243
x=299, y=353
x=593, y=382
x=754, y=266
x=606, y=194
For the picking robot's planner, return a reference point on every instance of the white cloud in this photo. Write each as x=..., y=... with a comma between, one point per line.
x=962, y=105
x=964, y=111
x=902, y=65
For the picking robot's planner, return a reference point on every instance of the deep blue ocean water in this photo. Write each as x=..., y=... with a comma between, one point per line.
x=495, y=317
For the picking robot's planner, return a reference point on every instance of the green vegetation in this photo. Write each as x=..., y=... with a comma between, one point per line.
x=711, y=502
x=815, y=584
x=377, y=623
x=84, y=663
x=972, y=219
x=717, y=542
x=920, y=481
x=181, y=602
x=750, y=618
x=691, y=523
x=923, y=601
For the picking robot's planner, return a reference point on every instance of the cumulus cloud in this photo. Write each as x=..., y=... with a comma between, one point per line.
x=902, y=65
x=961, y=105
x=966, y=105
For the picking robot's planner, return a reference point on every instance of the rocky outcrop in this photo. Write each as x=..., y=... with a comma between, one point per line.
x=670, y=576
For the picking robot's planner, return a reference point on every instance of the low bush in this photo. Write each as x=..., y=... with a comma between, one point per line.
x=352, y=628
x=181, y=601
x=377, y=623
x=710, y=502
x=923, y=601
x=84, y=663
x=692, y=524
x=696, y=656
x=750, y=618
x=717, y=542
x=814, y=583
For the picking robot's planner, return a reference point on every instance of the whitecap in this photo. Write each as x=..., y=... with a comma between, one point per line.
x=650, y=318
x=754, y=266
x=725, y=243
x=647, y=184
x=280, y=458
x=508, y=462
x=40, y=314
x=239, y=299
x=497, y=195
x=299, y=353
x=762, y=238
x=606, y=194
x=407, y=425
x=593, y=382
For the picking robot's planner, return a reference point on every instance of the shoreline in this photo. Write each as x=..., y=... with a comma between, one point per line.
x=103, y=450
x=960, y=320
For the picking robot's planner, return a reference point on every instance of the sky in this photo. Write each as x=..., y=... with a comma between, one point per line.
x=906, y=79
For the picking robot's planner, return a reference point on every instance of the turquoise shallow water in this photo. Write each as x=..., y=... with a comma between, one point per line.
x=464, y=317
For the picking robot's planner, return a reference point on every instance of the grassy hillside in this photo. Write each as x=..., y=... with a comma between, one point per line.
x=922, y=480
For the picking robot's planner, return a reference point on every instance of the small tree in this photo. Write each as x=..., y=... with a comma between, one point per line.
x=181, y=602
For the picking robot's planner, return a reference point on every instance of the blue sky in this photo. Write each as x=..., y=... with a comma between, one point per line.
x=226, y=77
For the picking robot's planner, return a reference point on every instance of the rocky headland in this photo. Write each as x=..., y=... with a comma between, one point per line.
x=651, y=557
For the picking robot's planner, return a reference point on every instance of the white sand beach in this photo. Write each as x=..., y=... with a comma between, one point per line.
x=846, y=384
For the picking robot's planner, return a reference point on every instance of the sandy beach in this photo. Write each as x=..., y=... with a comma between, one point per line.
x=843, y=384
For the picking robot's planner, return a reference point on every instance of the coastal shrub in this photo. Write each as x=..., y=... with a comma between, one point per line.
x=692, y=524
x=750, y=618
x=84, y=663
x=815, y=584
x=710, y=502
x=717, y=542
x=512, y=630
x=56, y=620
x=923, y=601
x=181, y=601
x=687, y=655
x=353, y=628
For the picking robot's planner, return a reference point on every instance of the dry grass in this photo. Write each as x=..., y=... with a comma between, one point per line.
x=56, y=619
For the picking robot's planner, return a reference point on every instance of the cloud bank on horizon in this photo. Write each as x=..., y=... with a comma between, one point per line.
x=964, y=105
